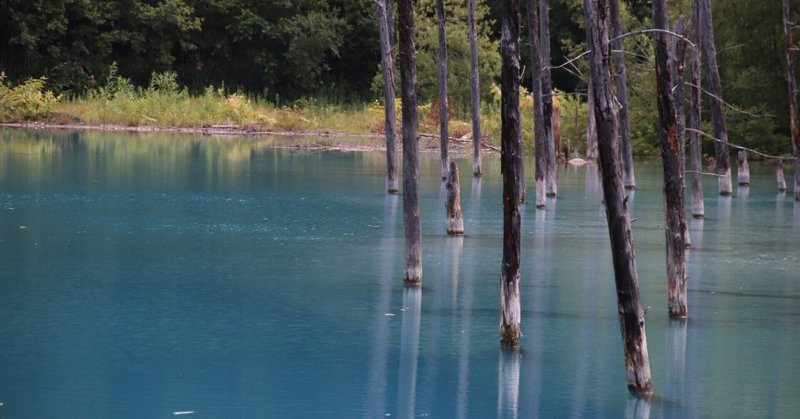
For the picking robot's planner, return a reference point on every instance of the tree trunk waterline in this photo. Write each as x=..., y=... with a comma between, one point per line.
x=547, y=99
x=695, y=150
x=475, y=92
x=779, y=175
x=671, y=157
x=443, y=117
x=591, y=127
x=792, y=87
x=510, y=152
x=387, y=70
x=742, y=168
x=539, y=124
x=724, y=183
x=452, y=205
x=408, y=83
x=629, y=178
x=631, y=313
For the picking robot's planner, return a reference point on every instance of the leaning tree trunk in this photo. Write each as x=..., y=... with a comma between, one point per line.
x=475, y=92
x=591, y=126
x=510, y=152
x=671, y=157
x=631, y=313
x=443, y=117
x=717, y=106
x=695, y=151
x=408, y=85
x=622, y=96
x=547, y=99
x=539, y=124
x=792, y=86
x=387, y=68
x=452, y=204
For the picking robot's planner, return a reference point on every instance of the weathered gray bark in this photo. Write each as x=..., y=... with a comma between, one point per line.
x=742, y=168
x=557, y=133
x=443, y=117
x=792, y=87
x=408, y=85
x=591, y=127
x=631, y=313
x=452, y=205
x=620, y=78
x=695, y=150
x=779, y=175
x=391, y=25
x=475, y=91
x=510, y=153
x=724, y=183
x=387, y=69
x=547, y=99
x=671, y=157
x=539, y=124
x=677, y=56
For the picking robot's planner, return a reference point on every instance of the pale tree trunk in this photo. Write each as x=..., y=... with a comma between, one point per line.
x=792, y=87
x=387, y=68
x=475, y=91
x=591, y=126
x=390, y=23
x=631, y=313
x=779, y=175
x=510, y=153
x=455, y=219
x=539, y=124
x=724, y=183
x=695, y=149
x=742, y=168
x=443, y=117
x=557, y=132
x=629, y=178
x=408, y=83
x=547, y=99
x=671, y=156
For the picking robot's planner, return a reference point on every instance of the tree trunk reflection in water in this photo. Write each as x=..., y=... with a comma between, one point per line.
x=675, y=366
x=409, y=352
x=508, y=383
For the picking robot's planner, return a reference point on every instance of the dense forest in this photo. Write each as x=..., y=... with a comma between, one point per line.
x=288, y=50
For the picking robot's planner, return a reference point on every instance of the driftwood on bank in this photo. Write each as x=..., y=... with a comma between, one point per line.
x=475, y=92
x=385, y=31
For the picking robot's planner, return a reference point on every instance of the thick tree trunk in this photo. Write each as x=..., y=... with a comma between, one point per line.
x=539, y=124
x=629, y=178
x=547, y=99
x=475, y=91
x=695, y=149
x=724, y=184
x=792, y=87
x=742, y=168
x=455, y=220
x=408, y=83
x=510, y=152
x=779, y=175
x=631, y=313
x=591, y=126
x=387, y=68
x=671, y=157
x=443, y=117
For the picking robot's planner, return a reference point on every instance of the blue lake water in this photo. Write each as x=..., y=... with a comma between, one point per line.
x=152, y=276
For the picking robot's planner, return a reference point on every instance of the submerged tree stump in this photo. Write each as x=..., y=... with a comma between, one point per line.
x=452, y=204
x=742, y=168
x=779, y=175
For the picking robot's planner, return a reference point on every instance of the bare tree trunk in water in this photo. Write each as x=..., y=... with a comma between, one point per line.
x=408, y=83
x=591, y=126
x=547, y=98
x=742, y=168
x=455, y=219
x=792, y=86
x=510, y=333
x=622, y=96
x=539, y=124
x=717, y=106
x=671, y=156
x=475, y=91
x=695, y=149
x=779, y=175
x=677, y=56
x=443, y=131
x=631, y=313
x=387, y=68
x=557, y=132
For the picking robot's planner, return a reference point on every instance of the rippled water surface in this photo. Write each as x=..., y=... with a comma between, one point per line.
x=147, y=276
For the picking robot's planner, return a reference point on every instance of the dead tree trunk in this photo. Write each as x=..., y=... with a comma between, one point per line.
x=695, y=151
x=547, y=99
x=671, y=156
x=455, y=220
x=591, y=127
x=742, y=168
x=387, y=68
x=779, y=175
x=475, y=92
x=557, y=131
x=724, y=184
x=792, y=87
x=631, y=313
x=539, y=124
x=443, y=117
x=390, y=24
x=622, y=96
x=510, y=152
x=408, y=86
x=677, y=56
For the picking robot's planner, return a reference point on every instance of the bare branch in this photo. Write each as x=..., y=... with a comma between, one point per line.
x=646, y=31
x=570, y=61
x=729, y=48
x=728, y=104
x=711, y=137
x=703, y=173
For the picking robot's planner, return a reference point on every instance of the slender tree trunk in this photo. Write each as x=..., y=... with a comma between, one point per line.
x=387, y=68
x=408, y=82
x=677, y=55
x=475, y=91
x=695, y=150
x=547, y=99
x=455, y=220
x=779, y=175
x=622, y=96
x=591, y=126
x=669, y=137
x=792, y=87
x=390, y=23
x=539, y=124
x=742, y=168
x=443, y=117
x=510, y=333
x=631, y=313
x=717, y=106
x=557, y=131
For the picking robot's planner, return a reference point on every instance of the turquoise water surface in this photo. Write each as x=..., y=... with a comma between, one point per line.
x=154, y=276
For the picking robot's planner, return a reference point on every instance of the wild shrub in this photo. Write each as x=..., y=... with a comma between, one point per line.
x=25, y=101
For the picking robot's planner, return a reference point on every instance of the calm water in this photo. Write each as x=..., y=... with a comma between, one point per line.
x=144, y=276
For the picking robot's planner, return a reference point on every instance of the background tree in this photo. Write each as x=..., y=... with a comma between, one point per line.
x=387, y=71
